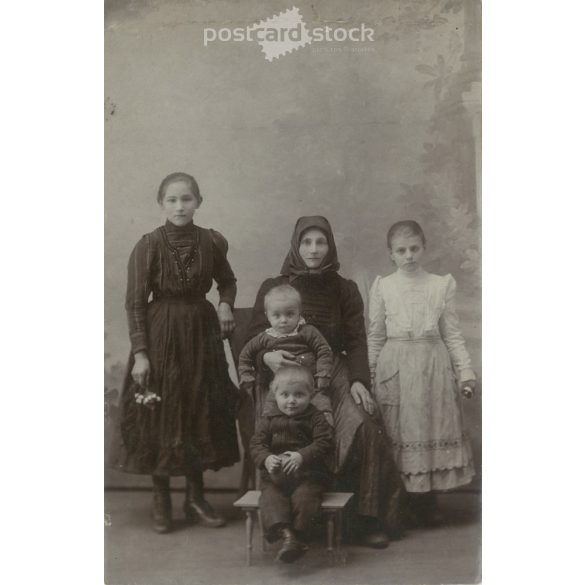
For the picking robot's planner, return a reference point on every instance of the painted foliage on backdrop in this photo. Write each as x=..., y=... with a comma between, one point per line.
x=364, y=139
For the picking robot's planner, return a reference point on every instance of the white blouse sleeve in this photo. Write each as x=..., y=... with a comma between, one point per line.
x=452, y=336
x=377, y=325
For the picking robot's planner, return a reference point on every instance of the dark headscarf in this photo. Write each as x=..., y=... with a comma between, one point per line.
x=294, y=266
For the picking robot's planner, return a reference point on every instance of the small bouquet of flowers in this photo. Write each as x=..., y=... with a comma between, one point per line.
x=147, y=398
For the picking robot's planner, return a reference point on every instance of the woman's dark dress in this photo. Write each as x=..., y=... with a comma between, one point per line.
x=193, y=426
x=363, y=455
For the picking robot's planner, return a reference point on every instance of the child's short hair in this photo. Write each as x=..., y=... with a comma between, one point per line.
x=282, y=290
x=292, y=374
x=407, y=227
x=179, y=178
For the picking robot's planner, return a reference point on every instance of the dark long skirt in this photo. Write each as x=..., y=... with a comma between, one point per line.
x=193, y=426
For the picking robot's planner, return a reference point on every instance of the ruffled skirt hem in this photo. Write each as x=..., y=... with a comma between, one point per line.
x=438, y=479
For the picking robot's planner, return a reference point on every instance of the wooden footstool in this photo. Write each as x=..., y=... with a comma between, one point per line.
x=331, y=507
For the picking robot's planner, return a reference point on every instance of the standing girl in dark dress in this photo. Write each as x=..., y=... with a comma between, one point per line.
x=363, y=454
x=177, y=415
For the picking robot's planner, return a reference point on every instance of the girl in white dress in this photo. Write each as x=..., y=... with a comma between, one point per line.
x=419, y=367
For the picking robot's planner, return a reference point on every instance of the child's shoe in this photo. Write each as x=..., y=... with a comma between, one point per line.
x=292, y=548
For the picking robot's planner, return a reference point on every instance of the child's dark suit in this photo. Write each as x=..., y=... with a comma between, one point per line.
x=292, y=499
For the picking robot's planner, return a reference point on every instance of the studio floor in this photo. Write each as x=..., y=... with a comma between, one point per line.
x=193, y=555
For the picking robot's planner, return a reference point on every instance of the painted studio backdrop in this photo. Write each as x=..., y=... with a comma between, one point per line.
x=365, y=132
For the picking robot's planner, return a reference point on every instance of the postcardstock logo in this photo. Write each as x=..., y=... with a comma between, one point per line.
x=286, y=32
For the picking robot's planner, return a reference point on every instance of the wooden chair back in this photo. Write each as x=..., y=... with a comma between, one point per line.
x=246, y=413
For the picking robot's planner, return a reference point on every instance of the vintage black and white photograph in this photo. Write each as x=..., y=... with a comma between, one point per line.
x=291, y=292
x=293, y=328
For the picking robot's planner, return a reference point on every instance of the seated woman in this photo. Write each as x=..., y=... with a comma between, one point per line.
x=332, y=304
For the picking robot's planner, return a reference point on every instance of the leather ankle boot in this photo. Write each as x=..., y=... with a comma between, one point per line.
x=196, y=508
x=161, y=505
x=292, y=548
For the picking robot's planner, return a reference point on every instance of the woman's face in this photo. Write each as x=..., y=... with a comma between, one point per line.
x=179, y=203
x=313, y=248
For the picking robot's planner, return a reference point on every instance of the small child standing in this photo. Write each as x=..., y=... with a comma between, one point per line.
x=290, y=446
x=416, y=351
x=288, y=332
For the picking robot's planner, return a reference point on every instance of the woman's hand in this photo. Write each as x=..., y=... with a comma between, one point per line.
x=226, y=319
x=279, y=359
x=293, y=461
x=468, y=388
x=360, y=395
x=141, y=369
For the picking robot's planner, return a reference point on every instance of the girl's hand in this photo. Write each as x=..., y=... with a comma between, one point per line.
x=226, y=319
x=141, y=370
x=278, y=359
x=468, y=388
x=360, y=395
x=293, y=461
x=272, y=463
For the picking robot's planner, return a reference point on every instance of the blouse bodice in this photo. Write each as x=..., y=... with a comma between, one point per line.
x=412, y=306
x=175, y=263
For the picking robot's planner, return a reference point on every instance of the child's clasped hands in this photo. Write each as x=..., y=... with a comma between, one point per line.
x=288, y=462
